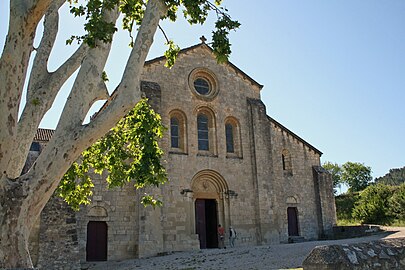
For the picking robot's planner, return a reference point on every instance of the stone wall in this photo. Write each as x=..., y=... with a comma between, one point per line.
x=381, y=254
x=294, y=186
x=342, y=232
x=183, y=166
x=251, y=189
x=58, y=240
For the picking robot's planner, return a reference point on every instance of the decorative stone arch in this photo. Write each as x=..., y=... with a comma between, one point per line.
x=99, y=211
x=212, y=129
x=293, y=215
x=236, y=137
x=209, y=188
x=182, y=131
x=292, y=200
x=208, y=184
x=96, y=232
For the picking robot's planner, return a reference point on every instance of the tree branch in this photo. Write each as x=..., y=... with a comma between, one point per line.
x=13, y=70
x=51, y=26
x=43, y=88
x=71, y=138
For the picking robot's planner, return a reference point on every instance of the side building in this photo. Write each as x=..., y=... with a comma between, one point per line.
x=228, y=163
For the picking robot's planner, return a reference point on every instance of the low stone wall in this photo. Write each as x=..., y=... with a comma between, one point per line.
x=380, y=254
x=342, y=232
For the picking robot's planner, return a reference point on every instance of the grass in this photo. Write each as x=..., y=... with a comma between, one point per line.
x=398, y=223
x=354, y=222
x=348, y=222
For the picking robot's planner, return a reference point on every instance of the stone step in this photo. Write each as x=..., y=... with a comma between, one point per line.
x=296, y=239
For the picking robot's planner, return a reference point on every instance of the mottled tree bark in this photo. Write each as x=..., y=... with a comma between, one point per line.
x=22, y=197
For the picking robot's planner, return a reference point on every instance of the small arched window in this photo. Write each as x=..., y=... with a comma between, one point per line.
x=174, y=132
x=178, y=131
x=203, y=132
x=233, y=138
x=287, y=163
x=230, y=144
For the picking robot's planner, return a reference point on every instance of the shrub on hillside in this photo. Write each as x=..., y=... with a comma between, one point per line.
x=345, y=204
x=373, y=205
x=397, y=203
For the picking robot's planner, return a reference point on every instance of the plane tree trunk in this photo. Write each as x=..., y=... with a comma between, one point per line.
x=22, y=197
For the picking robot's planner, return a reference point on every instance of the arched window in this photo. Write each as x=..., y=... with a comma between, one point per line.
x=206, y=131
x=230, y=144
x=174, y=132
x=178, y=131
x=233, y=138
x=287, y=163
x=203, y=132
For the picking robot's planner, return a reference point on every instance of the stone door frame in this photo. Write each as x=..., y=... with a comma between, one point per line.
x=209, y=184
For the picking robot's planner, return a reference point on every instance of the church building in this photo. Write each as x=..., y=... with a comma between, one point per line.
x=228, y=163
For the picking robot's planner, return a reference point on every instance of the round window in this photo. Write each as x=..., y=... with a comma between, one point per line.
x=202, y=86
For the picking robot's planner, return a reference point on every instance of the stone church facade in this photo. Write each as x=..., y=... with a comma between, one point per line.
x=228, y=163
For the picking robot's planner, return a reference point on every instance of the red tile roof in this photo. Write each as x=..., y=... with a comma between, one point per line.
x=43, y=135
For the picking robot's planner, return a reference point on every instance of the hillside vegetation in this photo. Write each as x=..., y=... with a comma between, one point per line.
x=394, y=177
x=377, y=204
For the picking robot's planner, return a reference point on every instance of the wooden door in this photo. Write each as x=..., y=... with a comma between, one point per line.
x=96, y=247
x=206, y=222
x=200, y=222
x=292, y=214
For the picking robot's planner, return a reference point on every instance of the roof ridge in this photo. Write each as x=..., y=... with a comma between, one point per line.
x=295, y=135
x=203, y=44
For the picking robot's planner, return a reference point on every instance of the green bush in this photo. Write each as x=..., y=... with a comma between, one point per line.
x=373, y=205
x=345, y=204
x=397, y=203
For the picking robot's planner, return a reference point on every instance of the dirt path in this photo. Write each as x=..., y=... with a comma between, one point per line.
x=282, y=256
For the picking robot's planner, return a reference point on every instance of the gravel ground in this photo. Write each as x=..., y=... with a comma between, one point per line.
x=281, y=256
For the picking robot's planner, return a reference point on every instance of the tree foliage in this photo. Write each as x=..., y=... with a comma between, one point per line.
x=373, y=204
x=345, y=204
x=335, y=170
x=397, y=203
x=129, y=152
x=354, y=174
x=394, y=177
x=194, y=11
x=23, y=196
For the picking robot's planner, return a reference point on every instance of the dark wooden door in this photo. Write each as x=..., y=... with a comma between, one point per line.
x=96, y=247
x=200, y=222
x=292, y=214
x=206, y=222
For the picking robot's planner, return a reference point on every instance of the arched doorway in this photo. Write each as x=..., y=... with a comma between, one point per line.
x=292, y=215
x=96, y=246
x=210, y=207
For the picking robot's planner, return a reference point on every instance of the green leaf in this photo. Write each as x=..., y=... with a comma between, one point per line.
x=171, y=54
x=129, y=153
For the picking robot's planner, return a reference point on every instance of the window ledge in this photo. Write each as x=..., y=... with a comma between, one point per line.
x=234, y=157
x=207, y=154
x=177, y=153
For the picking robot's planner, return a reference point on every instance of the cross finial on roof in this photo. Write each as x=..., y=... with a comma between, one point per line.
x=203, y=39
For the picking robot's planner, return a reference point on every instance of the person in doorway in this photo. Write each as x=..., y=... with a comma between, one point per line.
x=221, y=236
x=232, y=236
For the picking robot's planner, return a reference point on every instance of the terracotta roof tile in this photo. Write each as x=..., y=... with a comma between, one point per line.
x=43, y=135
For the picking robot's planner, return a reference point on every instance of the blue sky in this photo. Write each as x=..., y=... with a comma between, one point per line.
x=333, y=71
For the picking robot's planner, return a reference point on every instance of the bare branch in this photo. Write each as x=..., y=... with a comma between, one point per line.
x=164, y=33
